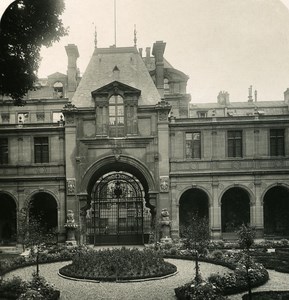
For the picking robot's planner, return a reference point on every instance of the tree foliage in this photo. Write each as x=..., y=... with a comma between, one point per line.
x=33, y=234
x=246, y=235
x=196, y=237
x=26, y=26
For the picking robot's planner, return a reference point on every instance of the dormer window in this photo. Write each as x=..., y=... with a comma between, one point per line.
x=58, y=90
x=116, y=116
x=116, y=110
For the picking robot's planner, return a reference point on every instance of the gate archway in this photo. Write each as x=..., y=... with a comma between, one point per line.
x=8, y=219
x=276, y=211
x=118, y=214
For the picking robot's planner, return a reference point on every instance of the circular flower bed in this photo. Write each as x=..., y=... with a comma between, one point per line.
x=117, y=264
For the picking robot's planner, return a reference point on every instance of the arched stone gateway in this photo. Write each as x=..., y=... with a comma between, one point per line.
x=276, y=212
x=118, y=214
x=8, y=220
x=43, y=207
x=121, y=202
x=193, y=201
x=235, y=210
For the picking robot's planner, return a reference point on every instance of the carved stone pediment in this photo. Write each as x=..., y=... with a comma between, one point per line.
x=115, y=88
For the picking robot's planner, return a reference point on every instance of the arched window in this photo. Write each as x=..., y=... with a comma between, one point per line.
x=116, y=116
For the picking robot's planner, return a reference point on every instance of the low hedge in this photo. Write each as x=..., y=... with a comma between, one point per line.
x=8, y=265
x=268, y=295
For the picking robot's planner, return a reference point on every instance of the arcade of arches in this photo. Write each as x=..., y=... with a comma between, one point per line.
x=236, y=210
x=120, y=211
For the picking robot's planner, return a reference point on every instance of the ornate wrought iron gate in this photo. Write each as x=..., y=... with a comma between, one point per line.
x=118, y=214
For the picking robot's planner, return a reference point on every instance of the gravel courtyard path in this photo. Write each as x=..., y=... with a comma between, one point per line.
x=148, y=290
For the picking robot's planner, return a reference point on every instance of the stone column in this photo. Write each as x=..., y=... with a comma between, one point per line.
x=175, y=233
x=70, y=112
x=259, y=210
x=84, y=205
x=215, y=212
x=152, y=206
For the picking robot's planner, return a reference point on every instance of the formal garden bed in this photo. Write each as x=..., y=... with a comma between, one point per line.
x=231, y=283
x=118, y=265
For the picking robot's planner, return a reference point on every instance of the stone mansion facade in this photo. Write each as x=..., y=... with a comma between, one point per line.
x=123, y=142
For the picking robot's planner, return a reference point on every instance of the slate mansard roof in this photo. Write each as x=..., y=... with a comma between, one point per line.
x=123, y=64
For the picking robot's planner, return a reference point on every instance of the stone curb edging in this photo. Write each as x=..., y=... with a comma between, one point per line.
x=118, y=281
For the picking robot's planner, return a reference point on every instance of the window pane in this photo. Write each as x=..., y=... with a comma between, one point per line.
x=277, y=142
x=193, y=145
x=41, y=150
x=120, y=111
x=3, y=151
x=116, y=116
x=234, y=143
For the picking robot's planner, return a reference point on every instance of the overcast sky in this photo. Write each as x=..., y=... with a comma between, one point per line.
x=220, y=44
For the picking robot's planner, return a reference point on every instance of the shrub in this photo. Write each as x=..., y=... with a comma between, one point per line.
x=198, y=291
x=39, y=283
x=218, y=254
x=284, y=242
x=12, y=288
x=37, y=288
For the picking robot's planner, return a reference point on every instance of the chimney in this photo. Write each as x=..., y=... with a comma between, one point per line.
x=223, y=98
x=250, y=98
x=148, y=55
x=256, y=93
x=72, y=54
x=286, y=96
x=140, y=52
x=158, y=53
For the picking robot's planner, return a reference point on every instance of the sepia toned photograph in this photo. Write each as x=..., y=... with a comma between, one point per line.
x=144, y=149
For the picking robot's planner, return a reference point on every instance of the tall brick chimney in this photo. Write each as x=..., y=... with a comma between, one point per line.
x=158, y=53
x=72, y=54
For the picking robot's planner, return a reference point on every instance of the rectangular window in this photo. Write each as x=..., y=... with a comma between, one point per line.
x=193, y=145
x=41, y=152
x=277, y=142
x=3, y=151
x=235, y=143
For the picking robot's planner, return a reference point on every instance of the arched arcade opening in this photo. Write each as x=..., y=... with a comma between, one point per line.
x=43, y=208
x=235, y=210
x=276, y=212
x=8, y=220
x=192, y=202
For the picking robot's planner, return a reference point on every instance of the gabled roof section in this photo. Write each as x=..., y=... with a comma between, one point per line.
x=131, y=72
x=116, y=87
x=57, y=75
